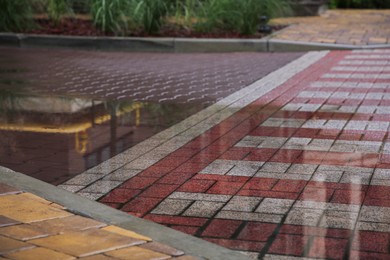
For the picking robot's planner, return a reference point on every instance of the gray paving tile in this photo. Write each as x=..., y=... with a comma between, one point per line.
x=205, y=209
x=249, y=216
x=242, y=203
x=200, y=196
x=172, y=207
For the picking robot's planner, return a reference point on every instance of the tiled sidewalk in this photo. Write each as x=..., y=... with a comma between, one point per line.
x=34, y=228
x=295, y=165
x=350, y=27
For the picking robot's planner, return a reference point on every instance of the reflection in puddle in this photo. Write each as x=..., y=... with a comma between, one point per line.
x=55, y=138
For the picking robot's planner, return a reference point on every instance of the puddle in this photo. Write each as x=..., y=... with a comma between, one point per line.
x=54, y=138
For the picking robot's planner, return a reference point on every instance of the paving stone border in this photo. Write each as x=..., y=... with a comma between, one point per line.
x=171, y=45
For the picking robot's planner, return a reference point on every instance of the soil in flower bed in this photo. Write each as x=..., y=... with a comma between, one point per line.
x=85, y=27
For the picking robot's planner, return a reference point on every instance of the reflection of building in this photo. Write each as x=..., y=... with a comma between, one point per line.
x=55, y=138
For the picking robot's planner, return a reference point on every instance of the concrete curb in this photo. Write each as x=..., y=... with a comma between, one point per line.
x=171, y=45
x=81, y=206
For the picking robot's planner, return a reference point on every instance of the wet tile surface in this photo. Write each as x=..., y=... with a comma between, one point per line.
x=295, y=172
x=67, y=99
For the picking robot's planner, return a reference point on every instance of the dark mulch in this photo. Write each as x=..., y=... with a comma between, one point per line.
x=85, y=27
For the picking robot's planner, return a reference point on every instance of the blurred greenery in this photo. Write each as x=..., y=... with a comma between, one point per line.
x=121, y=17
x=15, y=15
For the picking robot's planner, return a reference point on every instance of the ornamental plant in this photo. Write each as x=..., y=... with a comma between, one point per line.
x=15, y=15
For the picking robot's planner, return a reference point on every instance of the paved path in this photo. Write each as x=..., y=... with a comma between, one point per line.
x=350, y=27
x=34, y=228
x=296, y=164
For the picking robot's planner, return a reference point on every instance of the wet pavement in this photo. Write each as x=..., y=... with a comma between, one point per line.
x=295, y=165
x=34, y=228
x=63, y=112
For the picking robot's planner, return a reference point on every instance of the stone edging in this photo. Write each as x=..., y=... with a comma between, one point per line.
x=169, y=45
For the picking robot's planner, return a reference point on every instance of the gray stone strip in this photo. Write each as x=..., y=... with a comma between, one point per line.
x=361, y=69
x=371, y=51
x=361, y=109
x=313, y=144
x=147, y=153
x=349, y=84
x=138, y=44
x=344, y=94
x=78, y=205
x=274, y=210
x=368, y=56
x=364, y=62
x=356, y=76
x=293, y=171
x=328, y=124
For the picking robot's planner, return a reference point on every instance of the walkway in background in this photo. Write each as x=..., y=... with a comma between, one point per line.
x=350, y=27
x=297, y=164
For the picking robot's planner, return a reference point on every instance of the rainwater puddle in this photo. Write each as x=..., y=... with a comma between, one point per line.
x=54, y=138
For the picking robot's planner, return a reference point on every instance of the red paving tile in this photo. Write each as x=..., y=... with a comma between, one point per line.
x=371, y=242
x=159, y=191
x=221, y=228
x=183, y=221
x=329, y=248
x=120, y=195
x=244, y=226
x=196, y=186
x=238, y=244
x=288, y=245
x=256, y=231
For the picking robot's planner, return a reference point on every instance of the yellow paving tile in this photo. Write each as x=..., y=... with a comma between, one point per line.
x=23, y=232
x=4, y=221
x=38, y=253
x=35, y=197
x=75, y=223
x=9, y=244
x=125, y=232
x=97, y=257
x=23, y=208
x=137, y=253
x=364, y=27
x=85, y=243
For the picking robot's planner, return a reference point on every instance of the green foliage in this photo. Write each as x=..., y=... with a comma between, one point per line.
x=360, y=4
x=149, y=14
x=15, y=15
x=239, y=16
x=57, y=8
x=110, y=15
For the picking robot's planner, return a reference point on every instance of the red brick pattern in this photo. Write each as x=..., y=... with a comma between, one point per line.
x=292, y=214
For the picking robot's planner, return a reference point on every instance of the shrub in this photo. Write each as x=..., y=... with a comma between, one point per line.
x=149, y=14
x=57, y=8
x=110, y=15
x=239, y=16
x=15, y=15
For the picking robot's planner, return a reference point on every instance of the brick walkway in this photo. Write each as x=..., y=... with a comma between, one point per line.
x=350, y=27
x=160, y=77
x=296, y=164
x=34, y=228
